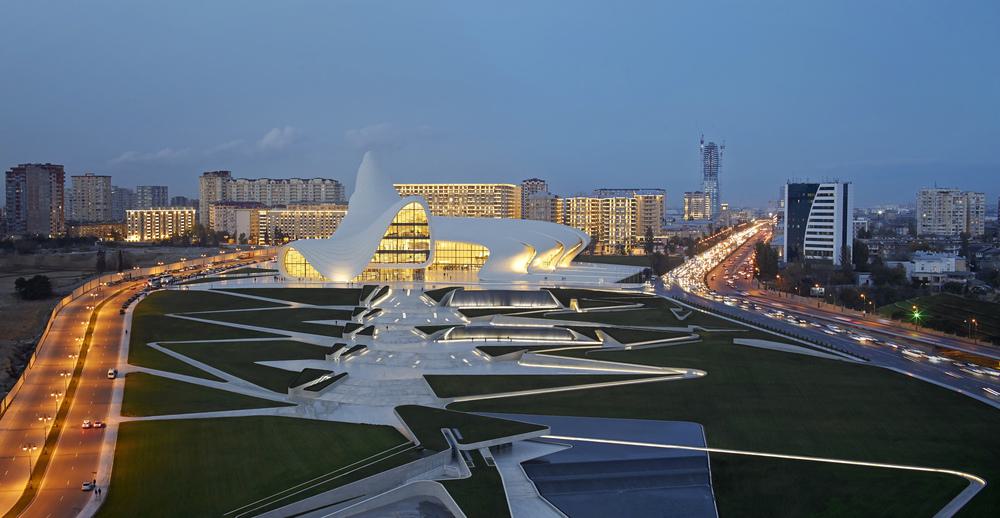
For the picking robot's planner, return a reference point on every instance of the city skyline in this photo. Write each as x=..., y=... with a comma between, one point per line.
x=861, y=106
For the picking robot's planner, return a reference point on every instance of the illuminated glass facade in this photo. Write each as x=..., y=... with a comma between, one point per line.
x=297, y=266
x=407, y=240
x=456, y=255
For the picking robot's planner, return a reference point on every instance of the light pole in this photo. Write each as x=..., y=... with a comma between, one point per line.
x=66, y=375
x=27, y=449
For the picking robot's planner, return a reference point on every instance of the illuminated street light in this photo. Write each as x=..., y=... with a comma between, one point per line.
x=28, y=448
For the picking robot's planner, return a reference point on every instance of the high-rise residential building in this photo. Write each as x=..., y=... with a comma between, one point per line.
x=233, y=217
x=950, y=212
x=220, y=186
x=818, y=222
x=696, y=206
x=711, y=165
x=151, y=196
x=91, y=198
x=213, y=186
x=279, y=224
x=182, y=201
x=531, y=187
x=474, y=200
x=122, y=199
x=543, y=206
x=36, y=200
x=615, y=219
x=158, y=223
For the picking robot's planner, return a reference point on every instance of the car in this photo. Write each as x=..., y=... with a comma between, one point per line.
x=87, y=486
x=112, y=374
x=99, y=424
x=87, y=424
x=121, y=311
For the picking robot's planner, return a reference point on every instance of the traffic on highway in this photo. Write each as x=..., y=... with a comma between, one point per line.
x=722, y=279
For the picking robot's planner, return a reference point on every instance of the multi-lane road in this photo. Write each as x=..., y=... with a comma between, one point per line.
x=26, y=423
x=76, y=454
x=890, y=346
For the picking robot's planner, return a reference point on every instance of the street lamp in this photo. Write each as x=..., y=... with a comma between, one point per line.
x=27, y=449
x=66, y=375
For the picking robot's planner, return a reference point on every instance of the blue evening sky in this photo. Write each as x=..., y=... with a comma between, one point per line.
x=892, y=95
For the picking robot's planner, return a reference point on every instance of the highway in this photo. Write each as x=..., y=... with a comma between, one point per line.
x=813, y=323
x=78, y=450
x=25, y=423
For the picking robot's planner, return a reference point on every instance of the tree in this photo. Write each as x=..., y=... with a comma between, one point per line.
x=766, y=259
x=102, y=262
x=859, y=256
x=35, y=288
x=648, y=243
x=964, y=250
x=243, y=238
x=659, y=263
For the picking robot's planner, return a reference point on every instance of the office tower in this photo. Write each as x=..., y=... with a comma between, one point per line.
x=91, y=198
x=711, y=165
x=530, y=187
x=182, y=201
x=35, y=200
x=122, y=199
x=158, y=223
x=151, y=196
x=475, y=200
x=696, y=206
x=950, y=212
x=220, y=186
x=819, y=222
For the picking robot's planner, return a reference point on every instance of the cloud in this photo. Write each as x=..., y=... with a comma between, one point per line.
x=277, y=138
x=385, y=135
x=155, y=156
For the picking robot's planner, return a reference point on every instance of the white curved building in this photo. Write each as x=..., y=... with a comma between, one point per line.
x=384, y=237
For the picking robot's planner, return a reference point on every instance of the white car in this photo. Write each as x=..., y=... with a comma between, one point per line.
x=112, y=374
x=87, y=424
x=87, y=486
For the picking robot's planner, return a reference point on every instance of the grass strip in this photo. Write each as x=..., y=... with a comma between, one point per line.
x=146, y=395
x=314, y=296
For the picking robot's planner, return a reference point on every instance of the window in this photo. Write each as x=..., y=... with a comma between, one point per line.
x=408, y=238
x=297, y=266
x=457, y=255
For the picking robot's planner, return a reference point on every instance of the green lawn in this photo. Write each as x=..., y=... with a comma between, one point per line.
x=426, y=423
x=185, y=468
x=481, y=495
x=150, y=324
x=564, y=295
x=467, y=385
x=630, y=336
x=292, y=319
x=315, y=296
x=237, y=358
x=778, y=402
x=950, y=313
x=147, y=395
x=760, y=487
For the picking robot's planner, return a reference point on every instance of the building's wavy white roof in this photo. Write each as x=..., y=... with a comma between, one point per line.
x=516, y=247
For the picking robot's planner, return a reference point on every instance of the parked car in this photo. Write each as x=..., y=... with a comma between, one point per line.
x=112, y=374
x=87, y=486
